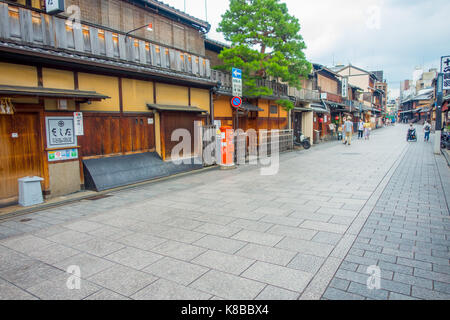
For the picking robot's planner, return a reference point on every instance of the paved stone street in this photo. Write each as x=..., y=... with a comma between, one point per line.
x=309, y=232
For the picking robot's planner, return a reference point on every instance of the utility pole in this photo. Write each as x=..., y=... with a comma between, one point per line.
x=206, y=10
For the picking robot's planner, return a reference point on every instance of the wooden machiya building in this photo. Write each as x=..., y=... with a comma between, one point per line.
x=91, y=105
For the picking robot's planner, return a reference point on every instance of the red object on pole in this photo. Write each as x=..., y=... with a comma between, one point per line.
x=227, y=146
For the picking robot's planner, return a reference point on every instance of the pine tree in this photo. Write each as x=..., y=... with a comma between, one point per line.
x=266, y=44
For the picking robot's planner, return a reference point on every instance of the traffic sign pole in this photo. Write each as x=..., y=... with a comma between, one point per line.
x=237, y=89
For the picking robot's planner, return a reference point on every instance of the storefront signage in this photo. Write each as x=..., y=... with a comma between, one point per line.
x=79, y=125
x=62, y=155
x=54, y=6
x=344, y=87
x=6, y=106
x=60, y=132
x=445, y=69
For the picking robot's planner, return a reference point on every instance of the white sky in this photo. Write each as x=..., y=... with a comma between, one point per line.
x=390, y=35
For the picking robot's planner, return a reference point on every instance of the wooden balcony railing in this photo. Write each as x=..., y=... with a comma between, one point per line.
x=225, y=79
x=304, y=94
x=36, y=29
x=334, y=97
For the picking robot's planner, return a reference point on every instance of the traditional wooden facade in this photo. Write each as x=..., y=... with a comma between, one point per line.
x=119, y=83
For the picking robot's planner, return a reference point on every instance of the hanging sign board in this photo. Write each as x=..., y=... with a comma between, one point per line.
x=237, y=82
x=79, y=125
x=54, y=6
x=60, y=132
x=344, y=92
x=445, y=69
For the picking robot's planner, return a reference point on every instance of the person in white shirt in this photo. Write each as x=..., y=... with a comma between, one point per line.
x=361, y=129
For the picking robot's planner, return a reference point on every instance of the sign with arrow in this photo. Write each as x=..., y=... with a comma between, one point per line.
x=237, y=82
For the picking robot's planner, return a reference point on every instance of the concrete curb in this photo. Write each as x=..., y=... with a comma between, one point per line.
x=446, y=156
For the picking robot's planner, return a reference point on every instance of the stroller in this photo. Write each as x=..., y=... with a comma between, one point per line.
x=412, y=135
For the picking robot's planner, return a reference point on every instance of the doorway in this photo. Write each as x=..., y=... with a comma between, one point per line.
x=20, y=154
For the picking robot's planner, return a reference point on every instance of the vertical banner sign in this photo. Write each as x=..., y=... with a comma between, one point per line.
x=54, y=6
x=344, y=87
x=445, y=69
x=237, y=82
x=79, y=126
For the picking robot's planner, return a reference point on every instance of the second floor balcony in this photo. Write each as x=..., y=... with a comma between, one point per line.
x=304, y=94
x=31, y=28
x=226, y=84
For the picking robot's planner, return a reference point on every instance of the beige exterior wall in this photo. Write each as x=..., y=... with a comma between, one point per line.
x=64, y=178
x=356, y=78
x=18, y=75
x=307, y=124
x=136, y=95
x=327, y=84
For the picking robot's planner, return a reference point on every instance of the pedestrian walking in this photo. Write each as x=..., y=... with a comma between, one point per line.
x=343, y=130
x=427, y=130
x=360, y=129
x=367, y=130
x=340, y=132
x=348, y=129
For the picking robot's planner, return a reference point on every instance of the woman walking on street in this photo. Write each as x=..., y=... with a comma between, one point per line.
x=367, y=129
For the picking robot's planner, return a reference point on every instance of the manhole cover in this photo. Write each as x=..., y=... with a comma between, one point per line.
x=95, y=198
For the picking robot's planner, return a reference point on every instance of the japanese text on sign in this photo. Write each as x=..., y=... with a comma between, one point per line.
x=60, y=132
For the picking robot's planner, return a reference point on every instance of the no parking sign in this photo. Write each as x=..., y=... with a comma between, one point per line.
x=236, y=102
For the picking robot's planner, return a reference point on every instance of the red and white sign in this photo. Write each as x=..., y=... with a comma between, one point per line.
x=236, y=102
x=78, y=123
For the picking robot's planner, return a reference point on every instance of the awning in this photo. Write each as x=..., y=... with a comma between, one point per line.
x=299, y=109
x=408, y=111
x=317, y=108
x=336, y=105
x=162, y=107
x=249, y=107
x=16, y=91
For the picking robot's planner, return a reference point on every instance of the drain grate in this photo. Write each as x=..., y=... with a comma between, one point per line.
x=95, y=198
x=25, y=220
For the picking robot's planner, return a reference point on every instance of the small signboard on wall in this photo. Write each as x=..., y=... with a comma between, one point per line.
x=54, y=6
x=79, y=126
x=60, y=132
x=62, y=155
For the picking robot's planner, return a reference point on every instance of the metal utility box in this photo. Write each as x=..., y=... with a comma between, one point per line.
x=30, y=192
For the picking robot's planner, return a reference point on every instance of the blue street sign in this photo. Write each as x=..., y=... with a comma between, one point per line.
x=236, y=102
x=237, y=73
